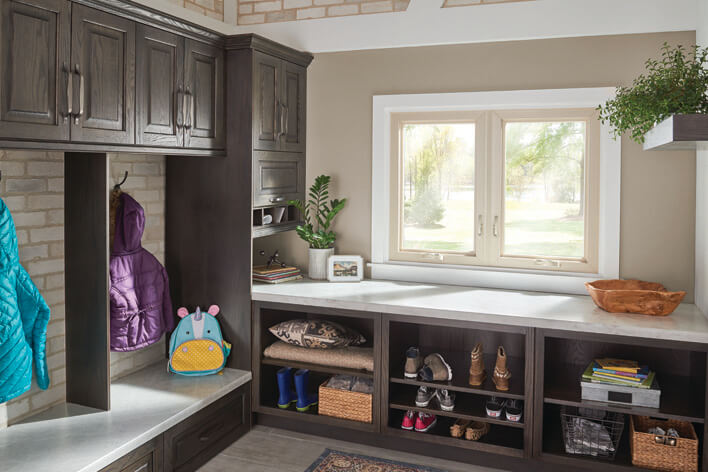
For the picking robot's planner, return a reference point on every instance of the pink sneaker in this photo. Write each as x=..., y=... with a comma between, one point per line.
x=409, y=420
x=425, y=422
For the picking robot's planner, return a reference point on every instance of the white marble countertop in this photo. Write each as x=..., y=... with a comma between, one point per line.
x=70, y=438
x=530, y=309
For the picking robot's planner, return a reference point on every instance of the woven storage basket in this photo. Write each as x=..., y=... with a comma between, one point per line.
x=683, y=457
x=355, y=406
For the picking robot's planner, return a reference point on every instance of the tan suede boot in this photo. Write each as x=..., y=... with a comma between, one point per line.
x=477, y=372
x=501, y=372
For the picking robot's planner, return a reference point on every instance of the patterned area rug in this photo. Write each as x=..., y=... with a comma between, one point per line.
x=336, y=461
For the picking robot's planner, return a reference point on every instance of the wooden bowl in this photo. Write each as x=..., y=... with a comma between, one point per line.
x=634, y=296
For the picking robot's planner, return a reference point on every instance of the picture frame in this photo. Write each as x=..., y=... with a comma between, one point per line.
x=345, y=268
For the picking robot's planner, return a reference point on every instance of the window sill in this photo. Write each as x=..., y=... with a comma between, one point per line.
x=485, y=277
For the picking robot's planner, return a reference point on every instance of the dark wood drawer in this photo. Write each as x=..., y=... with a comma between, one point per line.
x=146, y=458
x=277, y=177
x=197, y=439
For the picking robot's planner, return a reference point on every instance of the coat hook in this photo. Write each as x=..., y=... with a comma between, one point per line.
x=125, y=177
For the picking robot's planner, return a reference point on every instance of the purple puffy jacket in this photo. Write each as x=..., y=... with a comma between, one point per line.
x=141, y=310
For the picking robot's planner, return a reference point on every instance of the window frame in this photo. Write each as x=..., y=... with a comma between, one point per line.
x=564, y=279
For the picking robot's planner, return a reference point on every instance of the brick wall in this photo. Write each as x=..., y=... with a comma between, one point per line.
x=270, y=11
x=464, y=3
x=211, y=8
x=32, y=186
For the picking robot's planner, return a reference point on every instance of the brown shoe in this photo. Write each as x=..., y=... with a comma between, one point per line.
x=413, y=363
x=458, y=429
x=477, y=372
x=501, y=372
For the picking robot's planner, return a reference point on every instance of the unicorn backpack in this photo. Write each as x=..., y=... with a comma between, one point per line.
x=196, y=345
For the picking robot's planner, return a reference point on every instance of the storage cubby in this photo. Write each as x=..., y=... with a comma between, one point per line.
x=563, y=357
x=282, y=218
x=265, y=387
x=455, y=341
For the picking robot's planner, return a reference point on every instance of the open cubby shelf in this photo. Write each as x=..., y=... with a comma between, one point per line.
x=546, y=367
x=498, y=440
x=469, y=407
x=680, y=398
x=554, y=448
x=316, y=367
x=460, y=362
x=284, y=218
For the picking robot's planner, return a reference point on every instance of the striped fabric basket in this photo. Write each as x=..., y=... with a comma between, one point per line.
x=355, y=406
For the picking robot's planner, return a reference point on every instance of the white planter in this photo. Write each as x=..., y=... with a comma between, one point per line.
x=318, y=263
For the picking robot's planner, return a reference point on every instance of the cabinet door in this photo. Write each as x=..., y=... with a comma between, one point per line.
x=34, y=82
x=204, y=88
x=103, y=57
x=146, y=458
x=277, y=177
x=160, y=91
x=292, y=136
x=267, y=74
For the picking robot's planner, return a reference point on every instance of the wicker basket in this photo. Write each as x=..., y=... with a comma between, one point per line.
x=647, y=453
x=355, y=406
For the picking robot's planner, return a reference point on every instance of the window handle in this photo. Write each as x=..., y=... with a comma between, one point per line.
x=433, y=255
x=495, y=228
x=547, y=263
x=480, y=225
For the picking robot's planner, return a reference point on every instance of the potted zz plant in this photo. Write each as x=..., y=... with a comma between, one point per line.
x=674, y=85
x=318, y=213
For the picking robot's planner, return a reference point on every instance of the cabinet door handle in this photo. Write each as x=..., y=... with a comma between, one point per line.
x=185, y=109
x=278, y=119
x=69, y=93
x=78, y=115
x=287, y=117
x=180, y=107
x=191, y=112
x=142, y=467
x=276, y=199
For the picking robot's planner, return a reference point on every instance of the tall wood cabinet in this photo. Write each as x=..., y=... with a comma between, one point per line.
x=75, y=74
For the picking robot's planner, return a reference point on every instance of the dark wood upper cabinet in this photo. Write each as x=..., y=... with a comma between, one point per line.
x=293, y=107
x=204, y=91
x=160, y=87
x=35, y=79
x=278, y=104
x=103, y=60
x=267, y=73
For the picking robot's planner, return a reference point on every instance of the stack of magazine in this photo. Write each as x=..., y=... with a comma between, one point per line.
x=275, y=275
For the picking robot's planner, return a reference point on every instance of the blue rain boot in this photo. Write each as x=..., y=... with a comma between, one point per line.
x=286, y=395
x=304, y=399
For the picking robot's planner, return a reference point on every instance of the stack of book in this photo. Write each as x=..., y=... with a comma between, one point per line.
x=620, y=381
x=619, y=372
x=275, y=275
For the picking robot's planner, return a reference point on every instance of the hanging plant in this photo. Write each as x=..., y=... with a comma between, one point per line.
x=677, y=83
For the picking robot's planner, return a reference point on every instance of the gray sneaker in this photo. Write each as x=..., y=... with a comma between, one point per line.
x=423, y=397
x=446, y=399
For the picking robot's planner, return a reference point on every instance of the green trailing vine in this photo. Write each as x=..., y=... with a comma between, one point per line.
x=318, y=215
x=676, y=83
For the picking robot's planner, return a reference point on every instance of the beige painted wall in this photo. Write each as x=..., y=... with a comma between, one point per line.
x=702, y=189
x=658, y=188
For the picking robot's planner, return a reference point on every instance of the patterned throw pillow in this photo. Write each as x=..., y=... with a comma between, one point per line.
x=316, y=334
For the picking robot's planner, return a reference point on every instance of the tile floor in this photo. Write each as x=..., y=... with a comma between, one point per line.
x=270, y=450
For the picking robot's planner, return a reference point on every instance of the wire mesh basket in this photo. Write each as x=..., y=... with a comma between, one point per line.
x=590, y=432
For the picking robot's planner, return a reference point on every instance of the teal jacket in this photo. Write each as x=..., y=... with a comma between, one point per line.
x=23, y=319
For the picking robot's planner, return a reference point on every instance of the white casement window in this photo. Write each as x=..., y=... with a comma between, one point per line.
x=496, y=189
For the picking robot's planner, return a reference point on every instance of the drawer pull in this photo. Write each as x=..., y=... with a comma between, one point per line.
x=276, y=199
x=142, y=467
x=206, y=436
